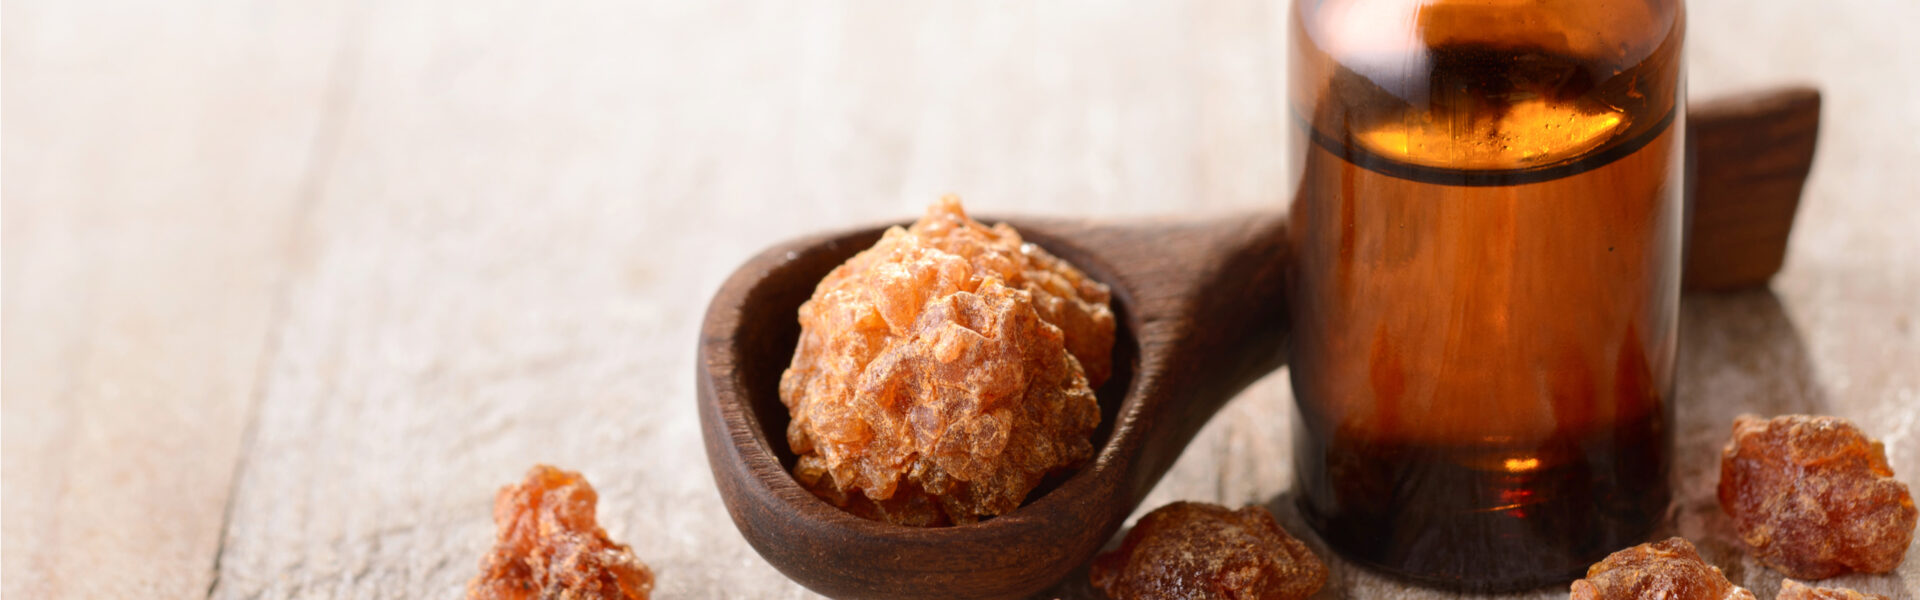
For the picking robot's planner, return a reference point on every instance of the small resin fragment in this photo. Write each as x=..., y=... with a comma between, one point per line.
x=1794, y=590
x=944, y=372
x=1813, y=498
x=549, y=547
x=1195, y=550
x=1668, y=569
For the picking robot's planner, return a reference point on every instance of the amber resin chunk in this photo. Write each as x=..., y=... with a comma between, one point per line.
x=549, y=547
x=1794, y=590
x=1812, y=497
x=1194, y=550
x=1669, y=569
x=944, y=372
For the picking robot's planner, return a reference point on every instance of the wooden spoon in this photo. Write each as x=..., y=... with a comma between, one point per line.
x=1199, y=309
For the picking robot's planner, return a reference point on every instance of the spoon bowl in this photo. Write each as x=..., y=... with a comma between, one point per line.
x=1151, y=406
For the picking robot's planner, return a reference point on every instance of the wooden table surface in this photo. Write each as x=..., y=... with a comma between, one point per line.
x=292, y=287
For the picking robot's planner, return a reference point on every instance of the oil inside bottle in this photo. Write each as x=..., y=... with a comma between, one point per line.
x=1487, y=241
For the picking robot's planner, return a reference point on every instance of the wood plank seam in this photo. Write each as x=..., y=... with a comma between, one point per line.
x=342, y=81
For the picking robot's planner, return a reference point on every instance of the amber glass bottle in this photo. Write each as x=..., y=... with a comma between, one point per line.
x=1488, y=238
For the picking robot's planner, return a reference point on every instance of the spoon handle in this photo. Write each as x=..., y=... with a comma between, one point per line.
x=1202, y=299
x=1750, y=157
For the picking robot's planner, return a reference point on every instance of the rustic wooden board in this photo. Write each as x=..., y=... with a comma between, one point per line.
x=499, y=251
x=155, y=167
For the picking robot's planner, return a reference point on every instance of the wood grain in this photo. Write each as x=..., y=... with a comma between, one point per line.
x=528, y=206
x=154, y=168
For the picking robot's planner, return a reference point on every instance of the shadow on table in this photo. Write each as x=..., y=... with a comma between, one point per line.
x=1739, y=354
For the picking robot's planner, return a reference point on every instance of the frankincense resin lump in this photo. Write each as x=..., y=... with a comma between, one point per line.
x=549, y=546
x=1794, y=590
x=942, y=373
x=1812, y=497
x=1200, y=551
x=1669, y=569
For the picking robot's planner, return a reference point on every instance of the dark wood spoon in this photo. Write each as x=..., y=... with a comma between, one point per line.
x=1198, y=304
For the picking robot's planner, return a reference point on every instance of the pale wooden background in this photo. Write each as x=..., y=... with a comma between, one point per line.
x=292, y=287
